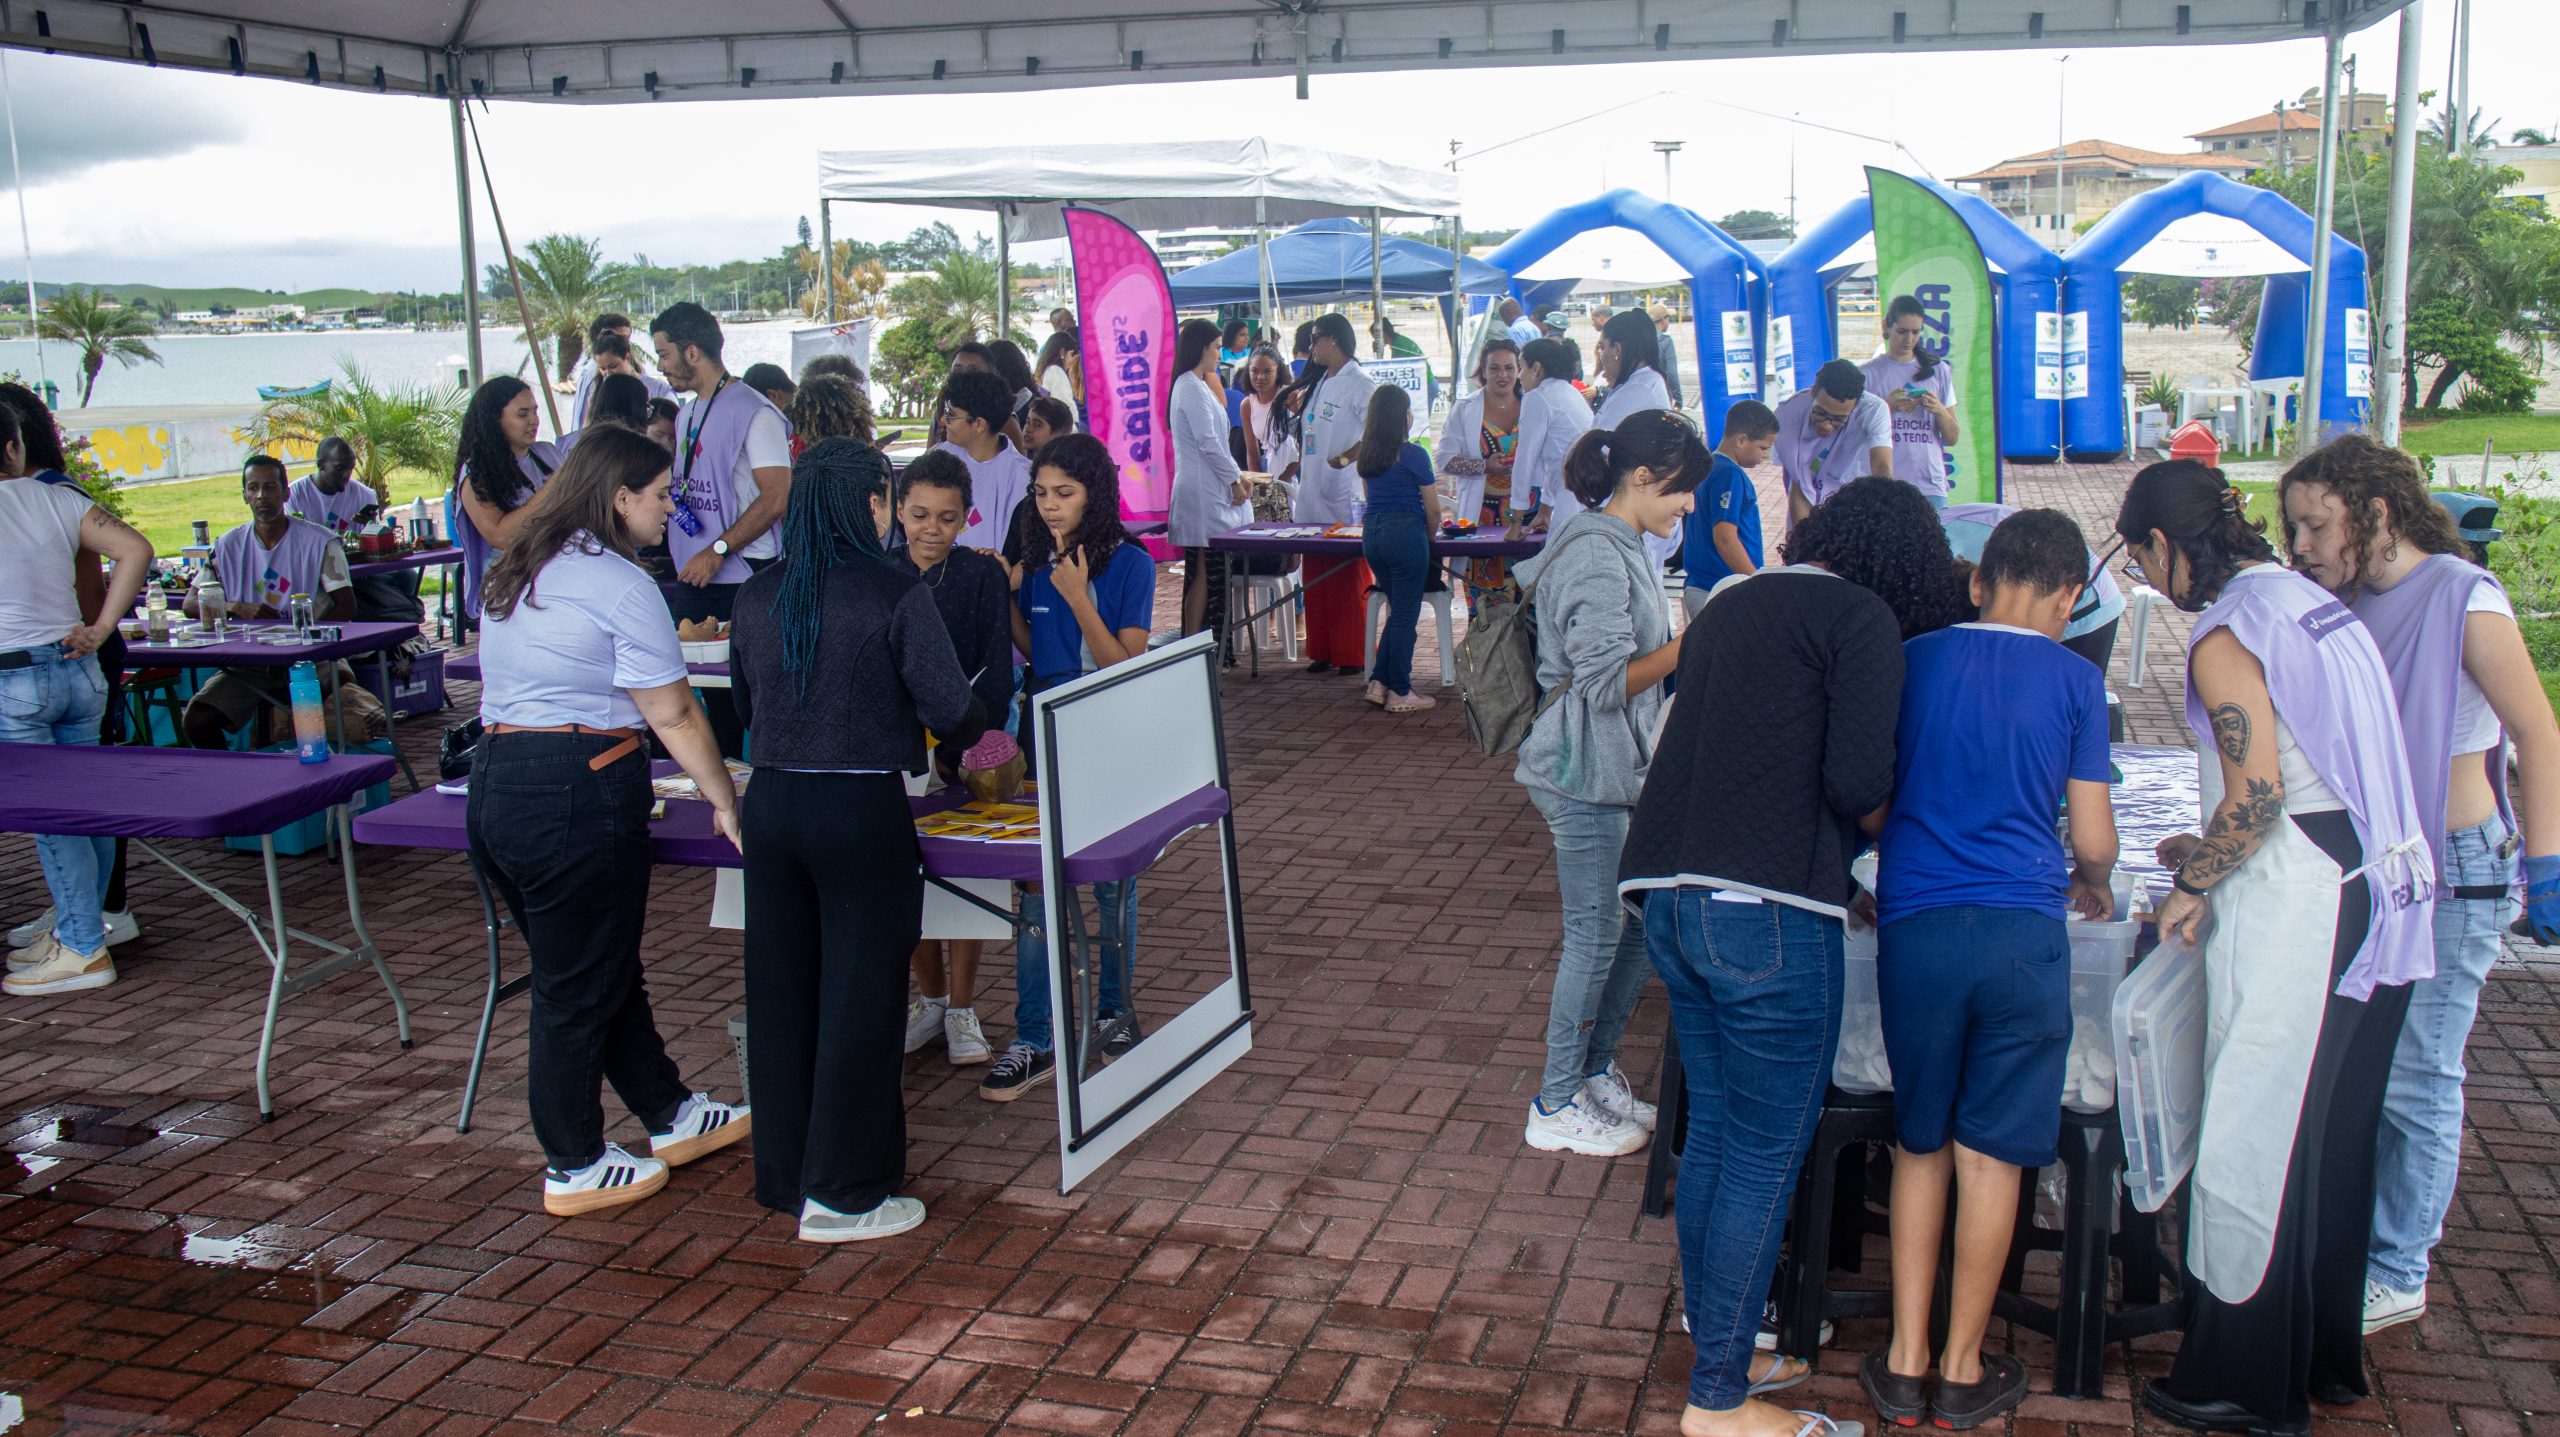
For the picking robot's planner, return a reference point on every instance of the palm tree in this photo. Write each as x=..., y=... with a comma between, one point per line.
x=2477, y=131
x=101, y=331
x=2527, y=135
x=955, y=300
x=391, y=428
x=566, y=282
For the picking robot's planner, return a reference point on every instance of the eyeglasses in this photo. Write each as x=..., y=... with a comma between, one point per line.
x=1828, y=422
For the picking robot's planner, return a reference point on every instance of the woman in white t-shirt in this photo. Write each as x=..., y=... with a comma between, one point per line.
x=578, y=652
x=1920, y=390
x=51, y=691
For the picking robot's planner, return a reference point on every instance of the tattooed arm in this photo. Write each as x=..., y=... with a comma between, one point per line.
x=104, y=534
x=2232, y=685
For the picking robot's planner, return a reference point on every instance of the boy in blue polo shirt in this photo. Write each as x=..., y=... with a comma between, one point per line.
x=2000, y=723
x=1722, y=535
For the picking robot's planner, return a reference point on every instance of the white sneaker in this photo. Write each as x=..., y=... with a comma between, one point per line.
x=2389, y=1306
x=924, y=1022
x=1609, y=1088
x=701, y=1127
x=54, y=967
x=1582, y=1126
x=965, y=1040
x=121, y=929
x=820, y=1223
x=609, y=1181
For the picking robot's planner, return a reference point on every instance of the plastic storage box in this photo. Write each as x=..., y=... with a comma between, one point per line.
x=2159, y=1023
x=2100, y=954
x=1859, y=1066
x=303, y=835
x=421, y=693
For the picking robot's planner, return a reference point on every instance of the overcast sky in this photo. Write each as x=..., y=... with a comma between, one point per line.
x=159, y=176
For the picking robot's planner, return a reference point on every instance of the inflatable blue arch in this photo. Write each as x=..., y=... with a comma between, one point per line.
x=1724, y=277
x=2028, y=280
x=2094, y=423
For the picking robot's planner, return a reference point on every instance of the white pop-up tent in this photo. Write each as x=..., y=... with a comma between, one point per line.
x=1148, y=185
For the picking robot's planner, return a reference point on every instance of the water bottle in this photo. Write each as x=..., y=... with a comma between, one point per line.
x=419, y=533
x=155, y=613
x=310, y=730
x=212, y=609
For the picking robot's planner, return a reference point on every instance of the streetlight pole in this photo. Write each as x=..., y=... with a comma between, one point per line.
x=1667, y=148
x=2061, y=146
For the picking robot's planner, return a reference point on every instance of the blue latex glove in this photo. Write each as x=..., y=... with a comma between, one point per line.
x=2542, y=898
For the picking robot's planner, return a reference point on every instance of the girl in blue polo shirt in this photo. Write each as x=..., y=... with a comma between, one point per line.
x=1084, y=599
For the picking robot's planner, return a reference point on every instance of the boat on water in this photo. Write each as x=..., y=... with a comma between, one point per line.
x=308, y=391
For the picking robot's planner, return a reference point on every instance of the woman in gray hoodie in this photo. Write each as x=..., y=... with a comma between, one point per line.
x=1604, y=649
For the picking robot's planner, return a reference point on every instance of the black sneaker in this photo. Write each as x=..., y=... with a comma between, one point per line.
x=1021, y=1069
x=1115, y=1034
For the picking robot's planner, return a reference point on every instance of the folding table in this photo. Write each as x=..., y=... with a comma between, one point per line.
x=1310, y=540
x=447, y=558
x=143, y=794
x=246, y=648
x=684, y=838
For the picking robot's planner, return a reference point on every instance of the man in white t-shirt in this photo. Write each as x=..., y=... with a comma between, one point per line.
x=976, y=405
x=1830, y=434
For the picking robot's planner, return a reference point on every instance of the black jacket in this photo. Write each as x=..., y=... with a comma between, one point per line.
x=1780, y=740
x=884, y=672
x=975, y=599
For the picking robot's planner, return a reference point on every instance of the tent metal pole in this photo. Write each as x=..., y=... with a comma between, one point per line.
x=2324, y=198
x=1377, y=288
x=827, y=255
x=1457, y=311
x=2391, y=352
x=1004, y=272
x=470, y=260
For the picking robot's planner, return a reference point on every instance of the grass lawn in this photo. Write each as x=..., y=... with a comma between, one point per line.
x=2512, y=433
x=163, y=512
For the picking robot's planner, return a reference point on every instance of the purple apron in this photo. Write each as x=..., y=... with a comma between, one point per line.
x=253, y=572
x=711, y=437
x=536, y=465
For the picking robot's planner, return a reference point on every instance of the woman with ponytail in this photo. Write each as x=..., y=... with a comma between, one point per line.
x=2315, y=874
x=1604, y=648
x=840, y=663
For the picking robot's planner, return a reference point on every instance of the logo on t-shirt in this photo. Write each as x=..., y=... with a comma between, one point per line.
x=2326, y=619
x=1726, y=502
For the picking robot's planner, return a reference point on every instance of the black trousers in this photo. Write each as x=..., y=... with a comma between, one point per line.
x=835, y=897
x=2097, y=646
x=567, y=848
x=712, y=601
x=113, y=729
x=2303, y=1330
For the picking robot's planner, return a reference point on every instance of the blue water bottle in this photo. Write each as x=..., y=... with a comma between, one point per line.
x=310, y=730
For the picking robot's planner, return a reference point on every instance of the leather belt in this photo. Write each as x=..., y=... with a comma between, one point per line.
x=630, y=739
x=2479, y=891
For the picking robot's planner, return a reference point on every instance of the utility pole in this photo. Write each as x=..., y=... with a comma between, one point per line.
x=1667, y=148
x=2391, y=354
x=2284, y=151
x=2061, y=147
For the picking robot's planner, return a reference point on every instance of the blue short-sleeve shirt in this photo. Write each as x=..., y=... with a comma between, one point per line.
x=1124, y=594
x=1995, y=721
x=1402, y=485
x=1727, y=497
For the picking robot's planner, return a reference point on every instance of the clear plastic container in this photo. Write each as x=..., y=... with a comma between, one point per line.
x=2100, y=954
x=1859, y=1066
x=2159, y=1022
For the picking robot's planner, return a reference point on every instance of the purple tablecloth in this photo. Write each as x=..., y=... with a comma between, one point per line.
x=1259, y=539
x=120, y=792
x=686, y=839
x=423, y=559
x=357, y=639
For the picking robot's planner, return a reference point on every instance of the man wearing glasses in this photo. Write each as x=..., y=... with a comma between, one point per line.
x=1830, y=434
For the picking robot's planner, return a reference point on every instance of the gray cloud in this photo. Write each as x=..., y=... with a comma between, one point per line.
x=74, y=115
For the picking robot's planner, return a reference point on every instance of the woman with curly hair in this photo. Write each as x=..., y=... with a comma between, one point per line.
x=502, y=461
x=1084, y=599
x=1777, y=754
x=2359, y=523
x=2315, y=874
x=828, y=406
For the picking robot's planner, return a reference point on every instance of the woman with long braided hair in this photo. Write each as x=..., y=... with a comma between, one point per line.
x=839, y=662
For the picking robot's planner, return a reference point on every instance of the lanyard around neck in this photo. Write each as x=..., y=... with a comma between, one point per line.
x=693, y=434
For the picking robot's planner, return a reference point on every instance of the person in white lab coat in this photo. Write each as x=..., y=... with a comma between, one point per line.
x=1553, y=414
x=1209, y=494
x=1337, y=406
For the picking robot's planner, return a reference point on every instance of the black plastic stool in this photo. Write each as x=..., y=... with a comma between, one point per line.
x=2080, y=1321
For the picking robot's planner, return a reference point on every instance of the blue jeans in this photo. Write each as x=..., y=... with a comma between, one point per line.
x=1603, y=965
x=1755, y=1001
x=1399, y=556
x=2420, y=1145
x=58, y=699
x=1116, y=937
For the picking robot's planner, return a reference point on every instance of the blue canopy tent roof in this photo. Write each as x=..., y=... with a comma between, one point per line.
x=1328, y=259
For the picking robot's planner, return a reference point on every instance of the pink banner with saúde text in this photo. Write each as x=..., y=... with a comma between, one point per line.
x=1124, y=318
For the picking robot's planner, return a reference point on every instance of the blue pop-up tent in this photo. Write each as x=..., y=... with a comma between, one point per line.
x=2028, y=280
x=1725, y=282
x=1327, y=259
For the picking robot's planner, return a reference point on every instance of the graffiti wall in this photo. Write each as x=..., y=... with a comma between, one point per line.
x=176, y=448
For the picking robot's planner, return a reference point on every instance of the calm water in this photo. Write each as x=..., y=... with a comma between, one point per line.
x=228, y=368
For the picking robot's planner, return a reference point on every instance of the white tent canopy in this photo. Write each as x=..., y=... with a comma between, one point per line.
x=1149, y=186
x=1607, y=261
x=2211, y=246
x=608, y=51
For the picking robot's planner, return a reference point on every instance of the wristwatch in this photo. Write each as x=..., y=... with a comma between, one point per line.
x=720, y=547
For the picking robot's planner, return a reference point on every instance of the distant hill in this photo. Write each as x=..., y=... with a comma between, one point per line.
x=235, y=298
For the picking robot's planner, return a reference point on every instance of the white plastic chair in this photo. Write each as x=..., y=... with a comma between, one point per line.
x=2137, y=609
x=1248, y=593
x=1438, y=600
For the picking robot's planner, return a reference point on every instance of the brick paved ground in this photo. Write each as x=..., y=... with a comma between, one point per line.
x=1343, y=1235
